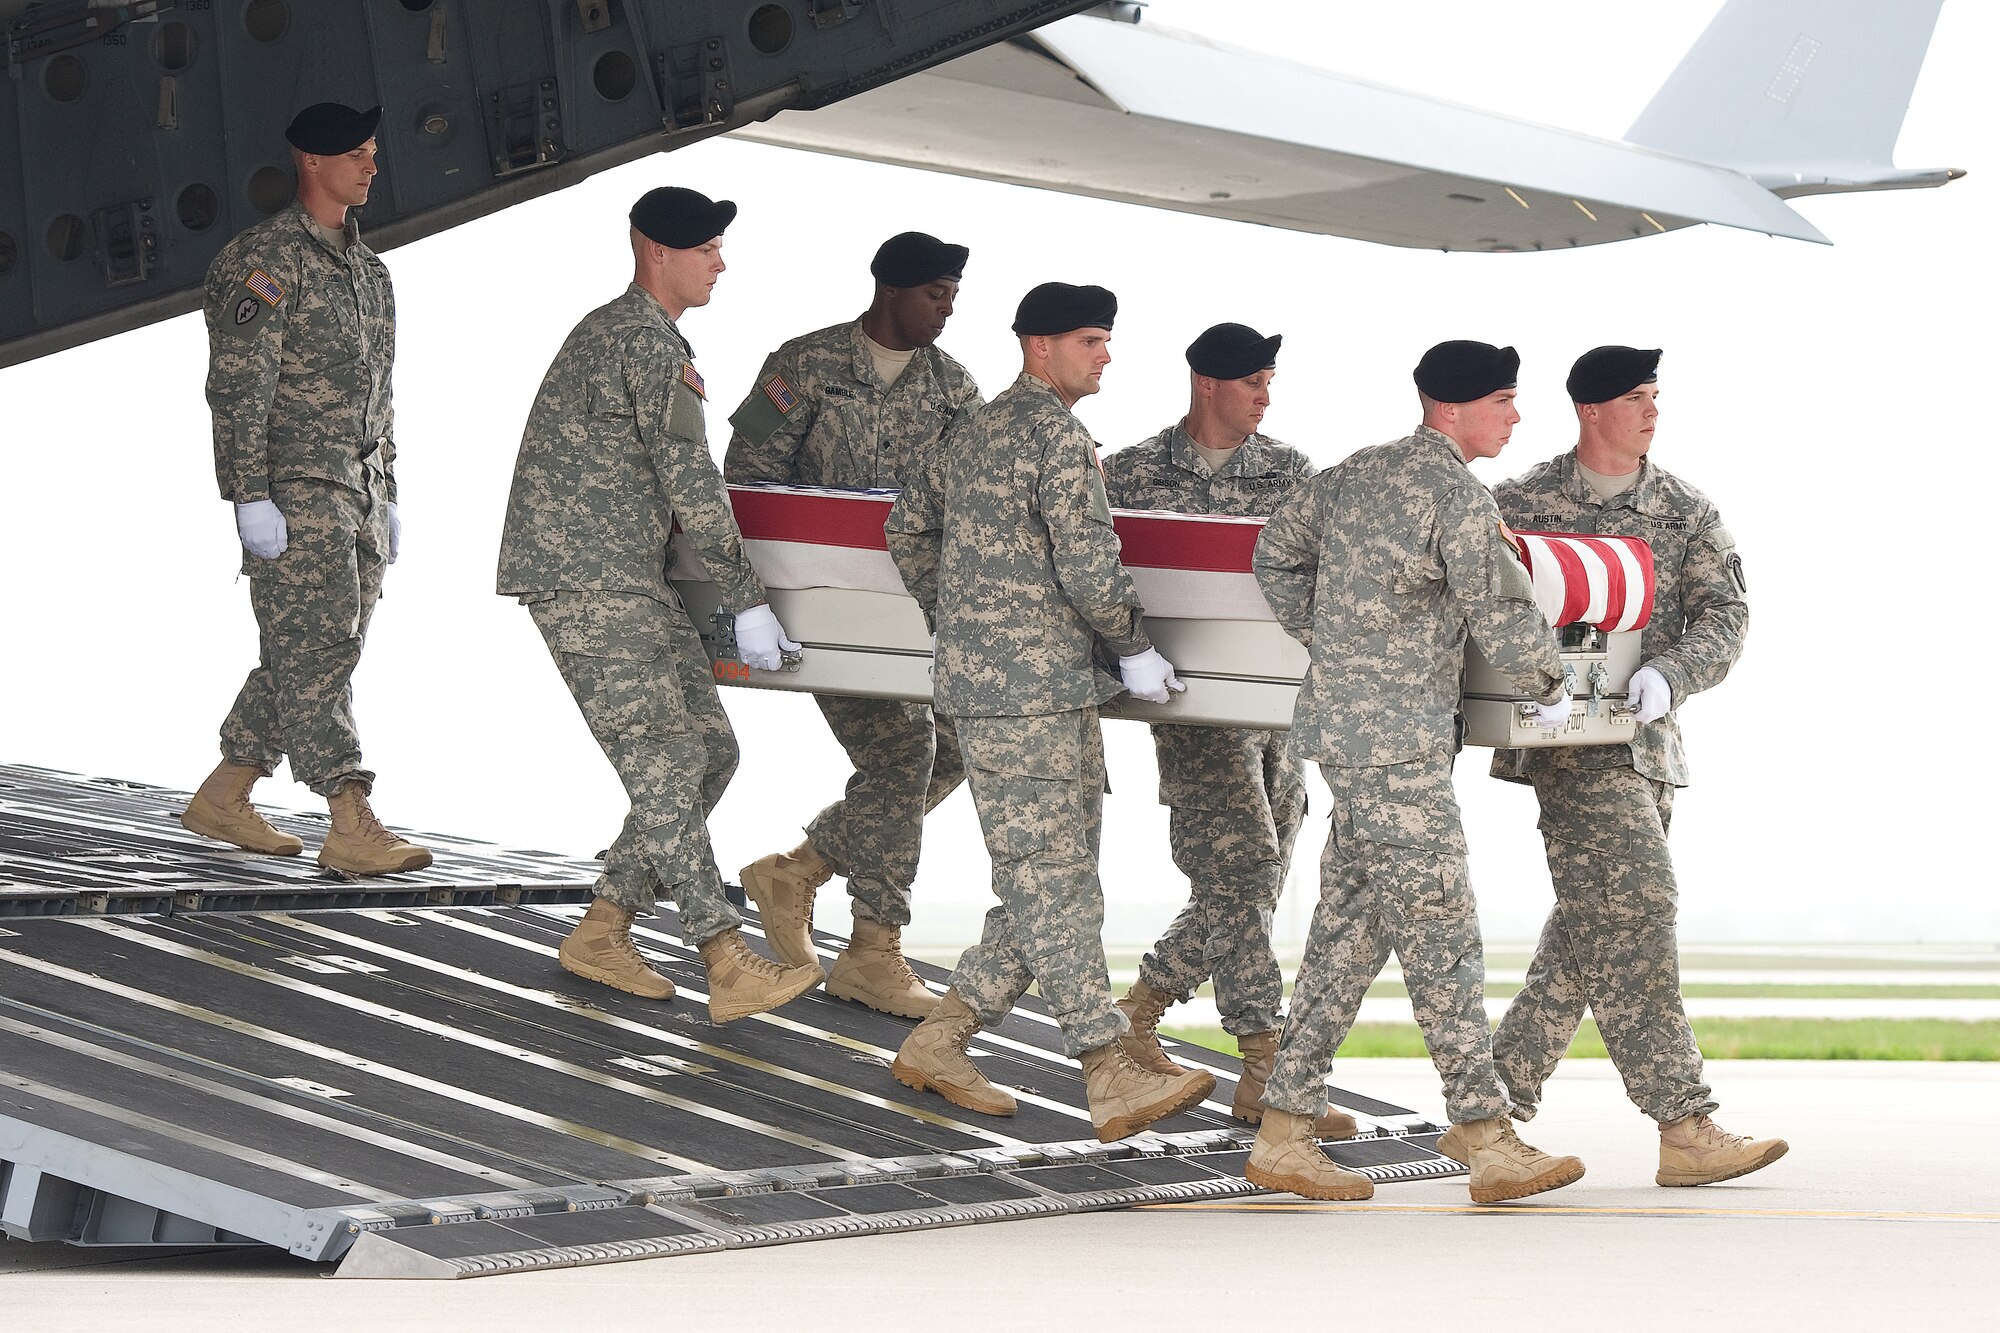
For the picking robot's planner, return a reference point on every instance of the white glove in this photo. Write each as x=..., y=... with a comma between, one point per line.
x=261, y=526
x=1650, y=694
x=760, y=639
x=1149, y=676
x=395, y=533
x=1551, y=715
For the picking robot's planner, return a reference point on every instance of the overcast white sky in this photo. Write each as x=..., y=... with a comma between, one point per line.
x=1819, y=395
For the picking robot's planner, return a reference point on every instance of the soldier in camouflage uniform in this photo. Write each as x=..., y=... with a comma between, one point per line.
x=1610, y=942
x=614, y=454
x=1382, y=566
x=302, y=338
x=855, y=405
x=1005, y=541
x=1237, y=796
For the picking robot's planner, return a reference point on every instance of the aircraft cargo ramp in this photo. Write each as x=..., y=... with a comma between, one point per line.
x=418, y=1090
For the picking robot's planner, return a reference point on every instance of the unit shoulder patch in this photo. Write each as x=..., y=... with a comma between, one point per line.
x=255, y=302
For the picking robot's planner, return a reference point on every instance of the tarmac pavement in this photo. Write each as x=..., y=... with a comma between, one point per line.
x=1886, y=1213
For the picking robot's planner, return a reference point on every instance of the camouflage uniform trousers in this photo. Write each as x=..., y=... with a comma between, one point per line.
x=905, y=763
x=313, y=604
x=1237, y=799
x=1609, y=944
x=1393, y=877
x=644, y=685
x=1038, y=783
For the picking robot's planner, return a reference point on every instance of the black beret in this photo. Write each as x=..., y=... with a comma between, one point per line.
x=1057, y=307
x=913, y=259
x=327, y=129
x=1462, y=372
x=1604, y=373
x=681, y=219
x=1232, y=351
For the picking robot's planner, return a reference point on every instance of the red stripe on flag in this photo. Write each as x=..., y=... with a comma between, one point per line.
x=821, y=520
x=1576, y=585
x=1158, y=542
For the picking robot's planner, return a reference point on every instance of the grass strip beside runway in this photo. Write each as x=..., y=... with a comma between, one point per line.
x=1721, y=1039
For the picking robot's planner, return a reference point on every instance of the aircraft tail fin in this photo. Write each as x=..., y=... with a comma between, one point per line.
x=1804, y=96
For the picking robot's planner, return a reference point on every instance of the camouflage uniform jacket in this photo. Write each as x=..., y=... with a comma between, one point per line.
x=1004, y=537
x=1166, y=472
x=1700, y=612
x=301, y=339
x=1381, y=565
x=614, y=453
x=820, y=415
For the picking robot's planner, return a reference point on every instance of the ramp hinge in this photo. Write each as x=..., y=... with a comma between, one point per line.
x=828, y=13
x=128, y=242
x=696, y=78
x=525, y=126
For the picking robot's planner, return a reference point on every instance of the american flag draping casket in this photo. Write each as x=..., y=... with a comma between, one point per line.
x=822, y=555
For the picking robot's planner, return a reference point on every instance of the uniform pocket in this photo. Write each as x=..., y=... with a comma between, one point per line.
x=1400, y=824
x=615, y=626
x=1034, y=747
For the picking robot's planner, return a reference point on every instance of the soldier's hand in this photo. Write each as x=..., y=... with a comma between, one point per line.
x=261, y=526
x=1551, y=715
x=760, y=639
x=395, y=533
x=1149, y=676
x=1650, y=694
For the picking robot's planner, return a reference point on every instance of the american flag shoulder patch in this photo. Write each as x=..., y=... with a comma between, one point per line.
x=692, y=378
x=260, y=282
x=780, y=394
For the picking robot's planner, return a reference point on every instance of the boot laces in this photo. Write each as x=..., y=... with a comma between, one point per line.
x=749, y=960
x=1149, y=1007
x=1706, y=1132
x=368, y=827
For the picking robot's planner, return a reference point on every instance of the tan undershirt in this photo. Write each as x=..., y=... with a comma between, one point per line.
x=1607, y=488
x=1217, y=459
x=889, y=363
x=333, y=236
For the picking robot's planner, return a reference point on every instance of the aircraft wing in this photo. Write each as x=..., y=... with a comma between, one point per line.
x=1151, y=115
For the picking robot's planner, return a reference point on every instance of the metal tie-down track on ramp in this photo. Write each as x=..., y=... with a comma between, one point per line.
x=423, y=1092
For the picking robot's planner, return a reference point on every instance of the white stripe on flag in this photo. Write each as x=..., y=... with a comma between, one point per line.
x=1600, y=581
x=1545, y=573
x=1635, y=587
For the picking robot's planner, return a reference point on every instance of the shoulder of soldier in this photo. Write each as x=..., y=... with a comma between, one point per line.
x=1681, y=497
x=1285, y=457
x=1544, y=478
x=833, y=340
x=951, y=374
x=273, y=243
x=1133, y=457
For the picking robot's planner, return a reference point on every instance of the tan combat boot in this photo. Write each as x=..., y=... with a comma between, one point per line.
x=1697, y=1151
x=601, y=949
x=1502, y=1166
x=1125, y=1096
x=1284, y=1157
x=741, y=983
x=357, y=844
x=933, y=1057
x=782, y=885
x=221, y=809
x=1259, y=1049
x=1143, y=1007
x=871, y=970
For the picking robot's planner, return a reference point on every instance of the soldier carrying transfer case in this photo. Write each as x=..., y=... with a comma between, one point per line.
x=1236, y=795
x=301, y=341
x=615, y=452
x=1381, y=566
x=855, y=405
x=1610, y=942
x=1005, y=541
